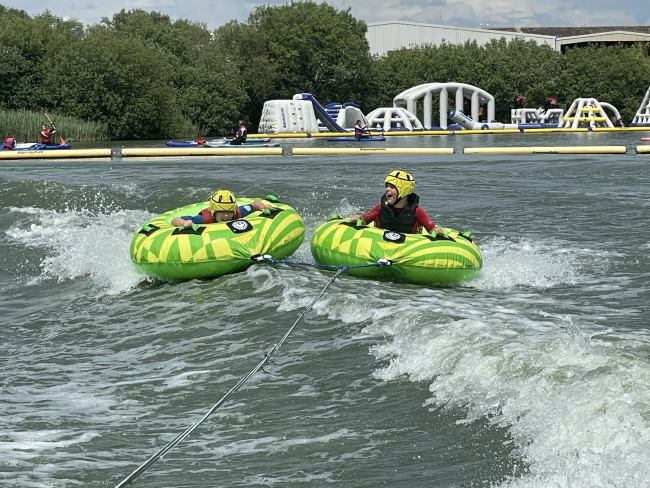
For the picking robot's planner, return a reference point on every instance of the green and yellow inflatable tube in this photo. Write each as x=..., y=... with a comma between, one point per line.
x=210, y=250
x=412, y=258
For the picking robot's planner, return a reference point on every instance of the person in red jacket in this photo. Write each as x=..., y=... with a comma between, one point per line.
x=10, y=143
x=399, y=209
x=46, y=135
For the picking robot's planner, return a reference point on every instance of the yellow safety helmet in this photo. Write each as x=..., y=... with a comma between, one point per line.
x=222, y=201
x=403, y=181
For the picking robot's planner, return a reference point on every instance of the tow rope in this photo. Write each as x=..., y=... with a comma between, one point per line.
x=266, y=258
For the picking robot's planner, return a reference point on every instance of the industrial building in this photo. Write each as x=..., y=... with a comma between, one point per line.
x=384, y=37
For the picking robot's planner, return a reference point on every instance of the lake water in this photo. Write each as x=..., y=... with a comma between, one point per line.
x=534, y=375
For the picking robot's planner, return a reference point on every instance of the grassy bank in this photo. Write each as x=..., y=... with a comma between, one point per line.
x=25, y=125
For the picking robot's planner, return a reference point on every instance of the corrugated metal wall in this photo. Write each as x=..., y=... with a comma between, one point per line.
x=391, y=36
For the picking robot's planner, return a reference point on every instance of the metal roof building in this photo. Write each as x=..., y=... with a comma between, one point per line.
x=384, y=37
x=392, y=36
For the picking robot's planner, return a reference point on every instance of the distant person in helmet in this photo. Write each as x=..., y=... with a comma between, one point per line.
x=399, y=210
x=223, y=207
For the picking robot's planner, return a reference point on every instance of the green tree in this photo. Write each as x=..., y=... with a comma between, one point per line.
x=13, y=70
x=182, y=39
x=243, y=50
x=26, y=44
x=318, y=49
x=211, y=95
x=299, y=47
x=121, y=81
x=205, y=85
x=518, y=67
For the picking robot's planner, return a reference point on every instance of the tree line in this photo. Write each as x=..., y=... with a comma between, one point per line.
x=141, y=75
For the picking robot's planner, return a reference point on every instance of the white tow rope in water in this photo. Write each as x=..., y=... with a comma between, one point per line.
x=144, y=466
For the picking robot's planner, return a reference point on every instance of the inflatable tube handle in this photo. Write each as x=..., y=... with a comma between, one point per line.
x=148, y=229
x=194, y=230
x=355, y=225
x=271, y=212
x=444, y=237
x=466, y=235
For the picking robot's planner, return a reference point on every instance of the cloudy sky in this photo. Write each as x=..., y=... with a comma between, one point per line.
x=461, y=13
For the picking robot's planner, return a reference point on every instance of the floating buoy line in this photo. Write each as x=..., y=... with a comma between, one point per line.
x=265, y=258
x=124, y=154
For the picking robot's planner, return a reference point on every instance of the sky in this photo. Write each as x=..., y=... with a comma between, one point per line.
x=457, y=13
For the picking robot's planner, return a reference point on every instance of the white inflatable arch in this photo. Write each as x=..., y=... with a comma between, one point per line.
x=409, y=99
x=393, y=118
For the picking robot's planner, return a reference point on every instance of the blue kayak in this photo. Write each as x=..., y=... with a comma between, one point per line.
x=249, y=142
x=182, y=144
x=40, y=147
x=353, y=139
x=217, y=142
x=226, y=143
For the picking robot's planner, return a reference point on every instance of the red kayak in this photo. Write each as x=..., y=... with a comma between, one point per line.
x=646, y=139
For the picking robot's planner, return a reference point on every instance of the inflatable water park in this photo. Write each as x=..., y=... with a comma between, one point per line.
x=435, y=109
x=459, y=107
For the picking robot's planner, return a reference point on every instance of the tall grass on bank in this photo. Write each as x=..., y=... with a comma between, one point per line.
x=25, y=125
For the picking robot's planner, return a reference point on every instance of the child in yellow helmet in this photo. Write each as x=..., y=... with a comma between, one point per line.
x=399, y=208
x=223, y=207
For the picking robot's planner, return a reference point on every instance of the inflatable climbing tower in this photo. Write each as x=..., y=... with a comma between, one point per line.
x=586, y=112
x=642, y=117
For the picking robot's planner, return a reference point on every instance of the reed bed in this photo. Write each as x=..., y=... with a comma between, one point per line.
x=26, y=124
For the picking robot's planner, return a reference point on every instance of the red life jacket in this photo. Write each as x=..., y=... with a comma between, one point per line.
x=45, y=136
x=10, y=143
